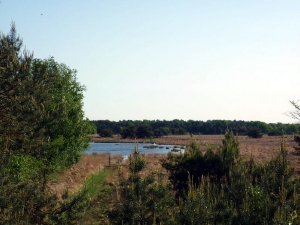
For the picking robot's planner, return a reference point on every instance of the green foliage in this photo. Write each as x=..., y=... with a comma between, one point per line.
x=144, y=131
x=229, y=151
x=106, y=133
x=142, y=199
x=158, y=133
x=255, y=133
x=297, y=140
x=275, y=133
x=292, y=129
x=193, y=163
x=70, y=210
x=23, y=167
x=246, y=193
x=41, y=104
x=42, y=131
x=129, y=132
x=97, y=213
x=61, y=118
x=230, y=191
x=93, y=128
x=27, y=203
x=165, y=130
x=180, y=127
x=93, y=182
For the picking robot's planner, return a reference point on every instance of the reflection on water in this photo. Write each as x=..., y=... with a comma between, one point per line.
x=125, y=149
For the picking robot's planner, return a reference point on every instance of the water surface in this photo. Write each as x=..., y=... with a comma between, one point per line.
x=125, y=149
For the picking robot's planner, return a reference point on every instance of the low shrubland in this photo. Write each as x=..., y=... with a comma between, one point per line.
x=217, y=187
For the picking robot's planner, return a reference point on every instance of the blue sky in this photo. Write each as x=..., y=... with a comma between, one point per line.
x=199, y=60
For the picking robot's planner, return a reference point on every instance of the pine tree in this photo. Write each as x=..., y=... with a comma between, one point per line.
x=142, y=199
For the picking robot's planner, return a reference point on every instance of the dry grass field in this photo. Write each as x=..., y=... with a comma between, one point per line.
x=73, y=178
x=261, y=149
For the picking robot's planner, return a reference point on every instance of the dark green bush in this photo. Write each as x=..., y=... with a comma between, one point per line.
x=106, y=133
x=275, y=133
x=255, y=133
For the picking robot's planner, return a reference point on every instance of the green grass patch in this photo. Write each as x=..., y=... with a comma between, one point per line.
x=100, y=194
x=95, y=181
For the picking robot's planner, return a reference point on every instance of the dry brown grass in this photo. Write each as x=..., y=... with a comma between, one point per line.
x=261, y=149
x=153, y=165
x=73, y=178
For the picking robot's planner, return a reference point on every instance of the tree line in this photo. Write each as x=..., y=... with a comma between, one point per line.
x=158, y=128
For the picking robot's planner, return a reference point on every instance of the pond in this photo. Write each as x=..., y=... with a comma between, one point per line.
x=125, y=149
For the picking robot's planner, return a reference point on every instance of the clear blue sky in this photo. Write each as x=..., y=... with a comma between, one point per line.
x=199, y=60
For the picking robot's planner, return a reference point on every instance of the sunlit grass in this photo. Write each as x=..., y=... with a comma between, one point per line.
x=95, y=181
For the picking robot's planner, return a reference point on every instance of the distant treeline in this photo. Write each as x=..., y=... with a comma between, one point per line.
x=158, y=128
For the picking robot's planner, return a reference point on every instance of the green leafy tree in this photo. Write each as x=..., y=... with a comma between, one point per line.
x=41, y=108
x=144, y=131
x=59, y=116
x=158, y=133
x=292, y=129
x=129, y=132
x=93, y=128
x=165, y=130
x=42, y=131
x=275, y=133
x=106, y=133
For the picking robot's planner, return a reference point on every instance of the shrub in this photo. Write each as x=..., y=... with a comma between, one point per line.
x=255, y=133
